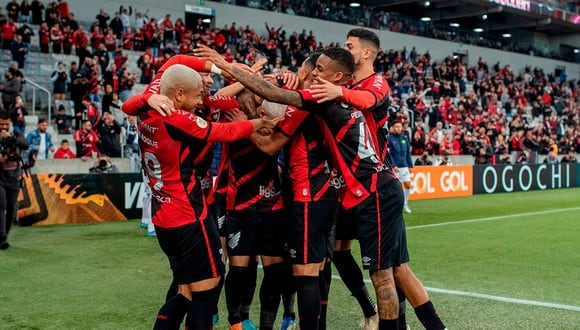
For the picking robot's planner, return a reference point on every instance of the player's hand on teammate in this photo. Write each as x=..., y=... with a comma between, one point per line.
x=161, y=104
x=290, y=79
x=209, y=54
x=235, y=115
x=324, y=91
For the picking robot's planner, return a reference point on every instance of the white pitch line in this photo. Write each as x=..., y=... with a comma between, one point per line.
x=492, y=297
x=515, y=215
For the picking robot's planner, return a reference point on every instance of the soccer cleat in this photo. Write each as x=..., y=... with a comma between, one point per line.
x=370, y=323
x=151, y=233
x=237, y=326
x=4, y=245
x=143, y=225
x=288, y=323
x=407, y=208
x=215, y=318
x=248, y=325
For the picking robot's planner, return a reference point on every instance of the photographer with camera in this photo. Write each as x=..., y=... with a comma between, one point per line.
x=10, y=175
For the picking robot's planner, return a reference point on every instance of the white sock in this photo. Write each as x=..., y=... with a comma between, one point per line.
x=407, y=193
x=150, y=227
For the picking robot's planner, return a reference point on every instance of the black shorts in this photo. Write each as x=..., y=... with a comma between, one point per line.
x=194, y=251
x=311, y=232
x=381, y=228
x=255, y=233
x=346, y=225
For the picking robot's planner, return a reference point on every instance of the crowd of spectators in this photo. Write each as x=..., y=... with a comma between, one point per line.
x=377, y=18
x=448, y=108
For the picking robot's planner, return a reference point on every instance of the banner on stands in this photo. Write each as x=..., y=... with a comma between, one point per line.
x=441, y=181
x=491, y=179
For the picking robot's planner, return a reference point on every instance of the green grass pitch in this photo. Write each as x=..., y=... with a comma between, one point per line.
x=487, y=258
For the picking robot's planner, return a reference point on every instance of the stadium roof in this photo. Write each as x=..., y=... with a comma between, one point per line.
x=493, y=16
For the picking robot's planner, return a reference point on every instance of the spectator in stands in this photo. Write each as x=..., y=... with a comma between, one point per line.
x=63, y=120
x=56, y=38
x=40, y=140
x=17, y=112
x=102, y=56
x=63, y=11
x=102, y=19
x=12, y=9
x=505, y=158
x=25, y=11
x=570, y=157
x=91, y=112
x=44, y=37
x=109, y=136
x=110, y=42
x=18, y=50
x=67, y=40
x=126, y=85
x=103, y=165
x=8, y=32
x=81, y=42
x=64, y=152
x=423, y=160
x=11, y=89
x=551, y=158
x=36, y=7
x=117, y=25
x=86, y=141
x=26, y=32
x=141, y=19
x=59, y=79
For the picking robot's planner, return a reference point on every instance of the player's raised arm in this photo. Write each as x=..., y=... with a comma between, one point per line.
x=253, y=83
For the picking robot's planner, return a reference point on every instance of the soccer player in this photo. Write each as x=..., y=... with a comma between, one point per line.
x=313, y=206
x=170, y=147
x=400, y=153
x=369, y=92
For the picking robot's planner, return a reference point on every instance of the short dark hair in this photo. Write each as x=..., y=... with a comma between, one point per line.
x=64, y=141
x=367, y=35
x=42, y=120
x=312, y=58
x=4, y=115
x=342, y=57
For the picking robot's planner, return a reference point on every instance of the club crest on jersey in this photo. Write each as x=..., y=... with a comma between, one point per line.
x=201, y=122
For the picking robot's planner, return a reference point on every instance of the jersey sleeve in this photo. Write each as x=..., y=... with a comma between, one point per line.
x=222, y=102
x=199, y=128
x=309, y=103
x=291, y=121
x=360, y=98
x=135, y=104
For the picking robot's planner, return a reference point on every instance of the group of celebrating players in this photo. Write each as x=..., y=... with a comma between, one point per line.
x=304, y=170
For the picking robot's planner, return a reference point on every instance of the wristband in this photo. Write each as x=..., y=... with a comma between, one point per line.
x=215, y=69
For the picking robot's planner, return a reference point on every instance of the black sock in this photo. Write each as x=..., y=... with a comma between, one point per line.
x=308, y=301
x=171, y=314
x=323, y=288
x=402, y=309
x=248, y=289
x=388, y=324
x=171, y=291
x=288, y=292
x=352, y=277
x=327, y=273
x=428, y=316
x=235, y=281
x=199, y=314
x=270, y=294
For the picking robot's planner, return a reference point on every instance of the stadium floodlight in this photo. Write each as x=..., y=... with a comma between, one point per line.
x=576, y=51
x=478, y=30
x=355, y=4
x=454, y=24
x=206, y=20
x=427, y=3
x=484, y=17
x=426, y=19
x=507, y=35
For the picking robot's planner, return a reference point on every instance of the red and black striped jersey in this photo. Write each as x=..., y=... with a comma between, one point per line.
x=376, y=114
x=254, y=182
x=350, y=145
x=306, y=157
x=171, y=147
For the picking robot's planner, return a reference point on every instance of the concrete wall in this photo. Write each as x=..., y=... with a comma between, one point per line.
x=76, y=166
x=328, y=32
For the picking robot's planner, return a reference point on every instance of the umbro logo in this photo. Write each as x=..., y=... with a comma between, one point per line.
x=234, y=240
x=221, y=221
x=292, y=253
x=366, y=260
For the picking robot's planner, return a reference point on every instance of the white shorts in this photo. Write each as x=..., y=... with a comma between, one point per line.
x=403, y=174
